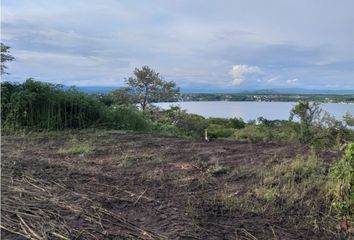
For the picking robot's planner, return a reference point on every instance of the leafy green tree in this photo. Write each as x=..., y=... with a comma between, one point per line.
x=147, y=86
x=5, y=57
x=308, y=113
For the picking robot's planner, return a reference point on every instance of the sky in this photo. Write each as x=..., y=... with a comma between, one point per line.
x=229, y=44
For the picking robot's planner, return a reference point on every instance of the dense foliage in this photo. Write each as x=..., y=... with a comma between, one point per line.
x=38, y=105
x=35, y=105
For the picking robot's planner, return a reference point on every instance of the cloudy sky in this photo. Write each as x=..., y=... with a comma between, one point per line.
x=199, y=43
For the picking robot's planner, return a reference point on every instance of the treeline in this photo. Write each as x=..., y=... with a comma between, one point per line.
x=269, y=97
x=38, y=106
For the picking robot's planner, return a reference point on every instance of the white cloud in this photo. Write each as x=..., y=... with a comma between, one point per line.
x=290, y=81
x=273, y=79
x=202, y=44
x=238, y=72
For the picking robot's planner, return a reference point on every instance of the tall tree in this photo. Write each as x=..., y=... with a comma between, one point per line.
x=307, y=113
x=5, y=57
x=147, y=86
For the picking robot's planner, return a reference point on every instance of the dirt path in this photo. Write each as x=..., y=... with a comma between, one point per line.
x=136, y=186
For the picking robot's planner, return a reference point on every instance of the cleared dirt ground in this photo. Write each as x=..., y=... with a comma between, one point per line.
x=138, y=186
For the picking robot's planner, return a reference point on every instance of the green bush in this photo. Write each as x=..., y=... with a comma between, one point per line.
x=237, y=123
x=218, y=131
x=262, y=133
x=330, y=132
x=219, y=121
x=192, y=123
x=125, y=117
x=166, y=129
x=188, y=124
x=250, y=133
x=341, y=183
x=227, y=123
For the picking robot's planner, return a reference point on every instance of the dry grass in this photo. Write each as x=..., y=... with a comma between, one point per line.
x=74, y=146
x=35, y=209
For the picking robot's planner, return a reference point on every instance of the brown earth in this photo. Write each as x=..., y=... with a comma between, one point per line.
x=138, y=186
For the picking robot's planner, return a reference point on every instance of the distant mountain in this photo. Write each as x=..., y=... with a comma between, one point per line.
x=304, y=91
x=97, y=89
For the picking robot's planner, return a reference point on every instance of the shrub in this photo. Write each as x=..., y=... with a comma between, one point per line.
x=189, y=124
x=192, y=123
x=227, y=123
x=218, y=131
x=125, y=117
x=219, y=121
x=250, y=133
x=261, y=133
x=237, y=123
x=166, y=129
x=341, y=184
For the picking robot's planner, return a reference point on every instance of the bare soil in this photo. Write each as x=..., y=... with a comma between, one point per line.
x=139, y=186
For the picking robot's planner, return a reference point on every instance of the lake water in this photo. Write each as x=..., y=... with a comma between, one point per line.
x=252, y=110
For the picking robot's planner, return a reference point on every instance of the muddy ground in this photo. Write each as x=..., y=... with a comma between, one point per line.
x=138, y=186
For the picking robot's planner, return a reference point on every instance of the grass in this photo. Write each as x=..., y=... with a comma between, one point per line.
x=74, y=146
x=298, y=183
x=217, y=169
x=300, y=180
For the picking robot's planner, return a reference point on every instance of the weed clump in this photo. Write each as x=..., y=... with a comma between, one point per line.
x=300, y=180
x=74, y=146
x=218, y=169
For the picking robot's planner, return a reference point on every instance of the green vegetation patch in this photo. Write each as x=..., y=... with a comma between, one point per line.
x=219, y=131
x=300, y=180
x=315, y=193
x=74, y=146
x=341, y=183
x=218, y=169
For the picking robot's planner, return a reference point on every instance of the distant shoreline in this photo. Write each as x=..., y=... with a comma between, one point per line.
x=254, y=97
x=250, y=110
x=352, y=102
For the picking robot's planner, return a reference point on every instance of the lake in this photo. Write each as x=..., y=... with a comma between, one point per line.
x=252, y=110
